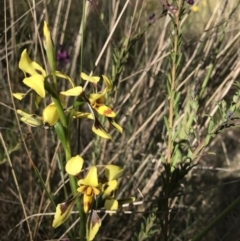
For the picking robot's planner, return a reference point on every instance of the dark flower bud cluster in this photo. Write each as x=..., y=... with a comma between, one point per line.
x=191, y=2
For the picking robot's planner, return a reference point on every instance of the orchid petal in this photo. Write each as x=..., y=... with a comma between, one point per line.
x=50, y=50
x=111, y=204
x=107, y=83
x=92, y=79
x=36, y=82
x=76, y=91
x=19, y=96
x=99, y=130
x=115, y=125
x=87, y=200
x=74, y=165
x=91, y=178
x=96, y=191
x=32, y=120
x=97, y=97
x=94, y=225
x=63, y=211
x=105, y=111
x=111, y=186
x=113, y=172
x=50, y=115
x=37, y=100
x=83, y=115
x=64, y=76
x=48, y=45
x=29, y=66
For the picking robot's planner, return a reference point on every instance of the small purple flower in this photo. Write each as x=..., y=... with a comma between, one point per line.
x=62, y=55
x=191, y=2
x=230, y=115
x=151, y=18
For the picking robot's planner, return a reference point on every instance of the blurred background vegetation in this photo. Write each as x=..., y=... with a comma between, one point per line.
x=137, y=60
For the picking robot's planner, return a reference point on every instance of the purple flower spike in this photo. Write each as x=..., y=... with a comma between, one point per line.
x=62, y=55
x=191, y=2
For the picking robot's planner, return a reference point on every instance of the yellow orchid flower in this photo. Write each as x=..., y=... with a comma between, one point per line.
x=97, y=127
x=113, y=172
x=49, y=117
x=63, y=210
x=97, y=100
x=89, y=187
x=36, y=72
x=37, y=76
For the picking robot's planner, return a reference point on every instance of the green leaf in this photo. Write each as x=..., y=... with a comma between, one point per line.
x=78, y=102
x=61, y=133
x=210, y=126
x=179, y=59
x=166, y=123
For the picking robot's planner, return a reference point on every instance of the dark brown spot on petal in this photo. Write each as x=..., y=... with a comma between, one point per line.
x=86, y=204
x=95, y=218
x=64, y=206
x=108, y=112
x=38, y=71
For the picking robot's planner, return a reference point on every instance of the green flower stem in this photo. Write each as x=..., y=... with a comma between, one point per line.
x=61, y=113
x=217, y=220
x=82, y=214
x=73, y=185
x=65, y=140
x=83, y=221
x=57, y=102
